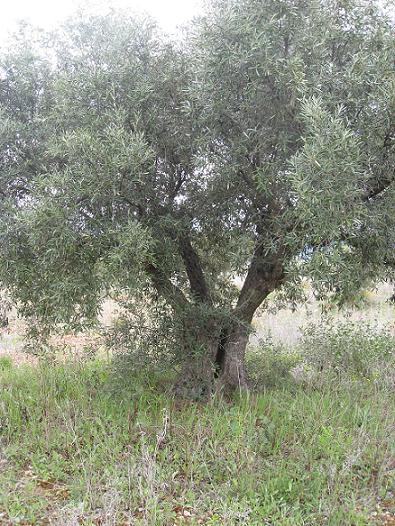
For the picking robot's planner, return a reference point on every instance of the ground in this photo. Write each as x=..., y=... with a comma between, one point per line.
x=84, y=441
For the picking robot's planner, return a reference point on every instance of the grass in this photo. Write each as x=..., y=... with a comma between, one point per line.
x=79, y=448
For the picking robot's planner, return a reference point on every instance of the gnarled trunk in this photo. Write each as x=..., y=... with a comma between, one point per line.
x=232, y=374
x=219, y=361
x=215, y=364
x=199, y=342
x=213, y=347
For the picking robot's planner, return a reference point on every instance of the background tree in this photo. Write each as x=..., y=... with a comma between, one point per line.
x=261, y=145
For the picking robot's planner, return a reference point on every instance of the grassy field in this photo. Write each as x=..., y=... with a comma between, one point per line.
x=84, y=441
x=82, y=444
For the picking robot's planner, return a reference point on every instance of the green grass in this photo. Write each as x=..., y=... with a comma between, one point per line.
x=74, y=450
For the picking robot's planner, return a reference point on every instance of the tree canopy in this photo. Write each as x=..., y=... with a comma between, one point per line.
x=260, y=144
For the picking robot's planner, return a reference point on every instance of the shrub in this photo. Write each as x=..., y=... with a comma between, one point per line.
x=269, y=364
x=360, y=350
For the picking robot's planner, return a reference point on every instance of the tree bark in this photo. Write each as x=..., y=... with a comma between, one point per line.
x=197, y=374
x=264, y=276
x=214, y=360
x=231, y=361
x=214, y=348
x=193, y=267
x=219, y=365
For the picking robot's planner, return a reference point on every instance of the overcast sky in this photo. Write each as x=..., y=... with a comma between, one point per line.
x=47, y=13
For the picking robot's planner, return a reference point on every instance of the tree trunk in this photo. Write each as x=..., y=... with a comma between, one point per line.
x=5, y=307
x=232, y=374
x=200, y=346
x=264, y=275
x=213, y=347
x=214, y=363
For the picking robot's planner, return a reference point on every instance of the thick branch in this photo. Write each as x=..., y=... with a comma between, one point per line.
x=170, y=292
x=194, y=270
x=264, y=275
x=181, y=178
x=378, y=188
x=382, y=183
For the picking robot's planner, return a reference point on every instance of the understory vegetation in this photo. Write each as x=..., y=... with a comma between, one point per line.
x=88, y=442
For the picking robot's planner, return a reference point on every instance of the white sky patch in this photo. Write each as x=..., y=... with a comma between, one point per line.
x=49, y=13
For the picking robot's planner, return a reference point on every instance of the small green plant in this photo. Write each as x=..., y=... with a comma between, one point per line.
x=5, y=362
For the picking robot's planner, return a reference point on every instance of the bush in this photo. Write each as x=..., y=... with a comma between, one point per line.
x=270, y=364
x=142, y=338
x=359, y=350
x=342, y=351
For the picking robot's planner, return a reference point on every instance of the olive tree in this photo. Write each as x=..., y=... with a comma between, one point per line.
x=259, y=145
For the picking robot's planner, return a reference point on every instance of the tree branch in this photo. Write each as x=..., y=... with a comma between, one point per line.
x=170, y=292
x=381, y=184
x=181, y=178
x=194, y=270
x=265, y=273
x=378, y=188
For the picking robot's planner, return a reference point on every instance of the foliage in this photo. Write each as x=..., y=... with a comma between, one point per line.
x=143, y=337
x=329, y=352
x=5, y=362
x=260, y=145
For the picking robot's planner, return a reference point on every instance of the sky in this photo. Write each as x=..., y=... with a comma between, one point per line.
x=47, y=13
